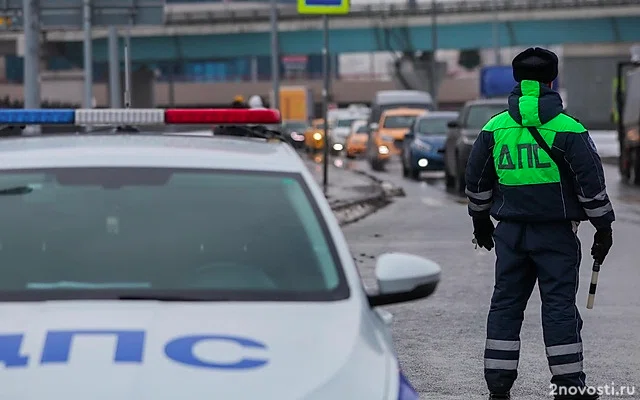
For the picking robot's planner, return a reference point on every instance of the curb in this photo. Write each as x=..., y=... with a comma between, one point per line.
x=348, y=212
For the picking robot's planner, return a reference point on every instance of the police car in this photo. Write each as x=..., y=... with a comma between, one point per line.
x=150, y=266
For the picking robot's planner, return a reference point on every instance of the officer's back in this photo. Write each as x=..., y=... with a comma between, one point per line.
x=530, y=187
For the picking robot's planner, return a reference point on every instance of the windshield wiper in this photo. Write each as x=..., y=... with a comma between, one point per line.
x=17, y=190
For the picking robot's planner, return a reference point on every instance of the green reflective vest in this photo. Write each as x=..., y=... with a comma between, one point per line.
x=517, y=157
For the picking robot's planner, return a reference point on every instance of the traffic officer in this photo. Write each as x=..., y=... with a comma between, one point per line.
x=539, y=203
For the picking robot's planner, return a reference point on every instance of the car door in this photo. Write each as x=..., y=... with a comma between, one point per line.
x=406, y=144
x=453, y=137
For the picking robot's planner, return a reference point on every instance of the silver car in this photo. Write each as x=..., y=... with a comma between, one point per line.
x=146, y=266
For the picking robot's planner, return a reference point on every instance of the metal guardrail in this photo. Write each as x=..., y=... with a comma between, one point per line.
x=287, y=12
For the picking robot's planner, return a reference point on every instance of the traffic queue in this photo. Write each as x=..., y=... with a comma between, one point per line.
x=405, y=125
x=402, y=125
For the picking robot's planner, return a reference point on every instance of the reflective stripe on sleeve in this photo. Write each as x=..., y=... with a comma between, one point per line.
x=598, y=212
x=564, y=349
x=480, y=195
x=564, y=369
x=503, y=345
x=600, y=196
x=491, y=363
x=479, y=207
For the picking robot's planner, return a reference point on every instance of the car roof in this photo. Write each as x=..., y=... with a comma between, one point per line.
x=395, y=96
x=440, y=114
x=501, y=101
x=404, y=111
x=147, y=150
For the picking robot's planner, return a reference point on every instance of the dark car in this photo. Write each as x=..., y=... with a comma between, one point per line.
x=294, y=132
x=423, y=145
x=462, y=133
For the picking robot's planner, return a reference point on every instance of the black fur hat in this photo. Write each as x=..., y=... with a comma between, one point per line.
x=535, y=64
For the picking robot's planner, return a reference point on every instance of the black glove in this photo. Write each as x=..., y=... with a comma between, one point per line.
x=483, y=232
x=602, y=242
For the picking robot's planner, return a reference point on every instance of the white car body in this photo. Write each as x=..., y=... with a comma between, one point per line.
x=342, y=123
x=134, y=350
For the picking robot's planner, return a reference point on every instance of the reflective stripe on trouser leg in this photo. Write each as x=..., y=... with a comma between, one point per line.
x=566, y=362
x=558, y=261
x=501, y=354
x=514, y=282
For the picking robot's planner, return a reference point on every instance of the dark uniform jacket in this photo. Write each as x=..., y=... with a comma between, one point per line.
x=580, y=193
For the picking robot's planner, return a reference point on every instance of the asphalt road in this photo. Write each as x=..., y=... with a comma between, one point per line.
x=440, y=340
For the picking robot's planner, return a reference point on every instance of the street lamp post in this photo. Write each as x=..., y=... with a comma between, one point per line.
x=496, y=32
x=275, y=56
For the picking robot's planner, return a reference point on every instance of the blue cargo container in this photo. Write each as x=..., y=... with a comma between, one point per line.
x=497, y=81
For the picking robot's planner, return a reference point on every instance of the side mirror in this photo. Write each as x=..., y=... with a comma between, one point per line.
x=453, y=124
x=404, y=277
x=373, y=126
x=409, y=135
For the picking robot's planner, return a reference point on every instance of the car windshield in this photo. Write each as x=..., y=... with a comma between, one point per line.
x=419, y=106
x=433, y=126
x=151, y=232
x=345, y=123
x=480, y=114
x=398, y=121
x=362, y=129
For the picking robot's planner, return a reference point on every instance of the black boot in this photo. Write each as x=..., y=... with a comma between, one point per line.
x=499, y=396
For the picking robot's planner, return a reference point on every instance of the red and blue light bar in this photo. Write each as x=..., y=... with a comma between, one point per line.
x=140, y=116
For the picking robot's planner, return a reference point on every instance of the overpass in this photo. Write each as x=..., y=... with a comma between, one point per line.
x=205, y=31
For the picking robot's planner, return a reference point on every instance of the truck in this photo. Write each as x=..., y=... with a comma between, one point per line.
x=628, y=121
x=497, y=81
x=296, y=103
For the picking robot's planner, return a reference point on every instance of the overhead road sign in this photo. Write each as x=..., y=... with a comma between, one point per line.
x=69, y=13
x=323, y=7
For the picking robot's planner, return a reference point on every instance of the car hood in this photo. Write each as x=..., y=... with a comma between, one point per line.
x=434, y=140
x=359, y=138
x=396, y=134
x=308, y=351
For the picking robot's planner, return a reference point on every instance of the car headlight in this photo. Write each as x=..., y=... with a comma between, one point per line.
x=406, y=391
x=422, y=145
x=317, y=136
x=386, y=138
x=383, y=150
x=337, y=146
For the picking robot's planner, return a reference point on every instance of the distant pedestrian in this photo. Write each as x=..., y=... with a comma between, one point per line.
x=256, y=102
x=238, y=102
x=536, y=170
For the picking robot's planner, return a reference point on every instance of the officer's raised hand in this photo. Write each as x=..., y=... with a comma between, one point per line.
x=483, y=232
x=602, y=242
